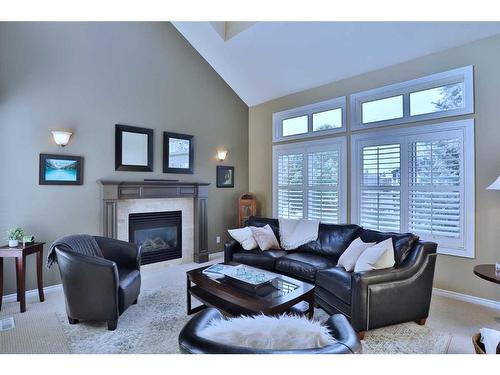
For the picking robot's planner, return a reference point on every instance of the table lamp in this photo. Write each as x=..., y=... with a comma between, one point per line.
x=496, y=186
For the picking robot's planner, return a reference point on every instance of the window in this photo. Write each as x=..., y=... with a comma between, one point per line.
x=419, y=179
x=436, y=96
x=316, y=119
x=309, y=180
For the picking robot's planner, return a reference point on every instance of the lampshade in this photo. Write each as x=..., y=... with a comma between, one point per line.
x=495, y=185
x=61, y=137
x=221, y=154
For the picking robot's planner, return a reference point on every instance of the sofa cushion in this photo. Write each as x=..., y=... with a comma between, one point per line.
x=332, y=240
x=129, y=287
x=402, y=242
x=258, y=258
x=337, y=281
x=256, y=221
x=303, y=265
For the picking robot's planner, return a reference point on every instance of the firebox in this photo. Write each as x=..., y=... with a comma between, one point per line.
x=158, y=234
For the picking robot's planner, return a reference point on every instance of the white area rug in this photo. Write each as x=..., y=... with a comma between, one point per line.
x=153, y=326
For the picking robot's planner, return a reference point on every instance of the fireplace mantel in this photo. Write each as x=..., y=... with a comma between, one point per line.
x=113, y=191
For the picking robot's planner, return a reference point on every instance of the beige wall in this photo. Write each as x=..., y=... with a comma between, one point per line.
x=91, y=76
x=452, y=273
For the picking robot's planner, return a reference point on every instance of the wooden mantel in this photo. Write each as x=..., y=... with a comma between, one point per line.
x=113, y=191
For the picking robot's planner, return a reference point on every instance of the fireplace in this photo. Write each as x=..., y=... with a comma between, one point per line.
x=159, y=234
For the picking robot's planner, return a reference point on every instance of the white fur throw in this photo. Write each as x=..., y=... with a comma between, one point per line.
x=285, y=332
x=297, y=232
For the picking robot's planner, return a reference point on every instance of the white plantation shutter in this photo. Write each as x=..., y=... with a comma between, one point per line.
x=380, y=195
x=435, y=188
x=309, y=180
x=322, y=194
x=290, y=181
x=420, y=180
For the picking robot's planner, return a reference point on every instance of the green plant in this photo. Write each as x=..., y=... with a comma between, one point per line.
x=16, y=234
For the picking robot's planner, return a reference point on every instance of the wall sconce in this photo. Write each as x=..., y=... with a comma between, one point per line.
x=61, y=137
x=221, y=154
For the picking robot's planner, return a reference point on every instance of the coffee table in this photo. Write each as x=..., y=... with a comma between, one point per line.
x=285, y=294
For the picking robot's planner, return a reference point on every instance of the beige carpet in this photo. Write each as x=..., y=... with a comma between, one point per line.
x=153, y=325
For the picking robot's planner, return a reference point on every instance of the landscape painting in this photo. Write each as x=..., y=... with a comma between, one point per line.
x=60, y=170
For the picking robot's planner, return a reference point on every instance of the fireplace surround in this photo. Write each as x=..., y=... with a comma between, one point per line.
x=114, y=192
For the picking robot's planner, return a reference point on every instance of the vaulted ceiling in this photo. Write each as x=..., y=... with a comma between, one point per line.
x=266, y=60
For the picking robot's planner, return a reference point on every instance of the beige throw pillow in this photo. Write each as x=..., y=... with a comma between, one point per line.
x=265, y=237
x=351, y=255
x=245, y=237
x=376, y=257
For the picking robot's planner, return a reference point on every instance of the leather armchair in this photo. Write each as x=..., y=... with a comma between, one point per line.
x=190, y=341
x=98, y=288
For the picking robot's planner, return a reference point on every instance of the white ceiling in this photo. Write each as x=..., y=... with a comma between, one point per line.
x=267, y=60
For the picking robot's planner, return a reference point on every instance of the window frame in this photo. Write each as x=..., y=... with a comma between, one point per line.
x=404, y=136
x=309, y=110
x=305, y=148
x=463, y=75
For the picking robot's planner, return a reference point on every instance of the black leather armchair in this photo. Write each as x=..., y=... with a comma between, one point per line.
x=100, y=289
x=190, y=341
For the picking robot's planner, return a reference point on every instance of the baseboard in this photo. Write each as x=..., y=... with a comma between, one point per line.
x=467, y=298
x=32, y=292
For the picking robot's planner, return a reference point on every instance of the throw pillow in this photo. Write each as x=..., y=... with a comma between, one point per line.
x=284, y=332
x=265, y=237
x=297, y=232
x=376, y=257
x=245, y=237
x=351, y=255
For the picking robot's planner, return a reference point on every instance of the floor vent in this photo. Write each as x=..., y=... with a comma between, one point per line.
x=7, y=323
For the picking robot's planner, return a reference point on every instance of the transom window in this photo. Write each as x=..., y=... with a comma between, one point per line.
x=420, y=180
x=309, y=180
x=316, y=119
x=436, y=96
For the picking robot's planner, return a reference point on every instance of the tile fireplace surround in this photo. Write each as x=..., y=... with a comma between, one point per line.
x=120, y=198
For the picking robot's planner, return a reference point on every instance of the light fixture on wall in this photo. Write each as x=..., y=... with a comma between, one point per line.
x=221, y=155
x=496, y=186
x=61, y=137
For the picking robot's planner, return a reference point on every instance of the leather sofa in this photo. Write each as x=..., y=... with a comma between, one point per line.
x=191, y=342
x=100, y=289
x=369, y=299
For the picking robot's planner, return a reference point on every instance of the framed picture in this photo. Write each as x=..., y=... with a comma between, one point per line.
x=133, y=149
x=225, y=176
x=178, y=153
x=60, y=170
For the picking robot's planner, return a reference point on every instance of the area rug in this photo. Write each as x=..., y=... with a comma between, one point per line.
x=153, y=326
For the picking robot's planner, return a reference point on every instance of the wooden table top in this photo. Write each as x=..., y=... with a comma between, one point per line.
x=238, y=296
x=487, y=272
x=6, y=251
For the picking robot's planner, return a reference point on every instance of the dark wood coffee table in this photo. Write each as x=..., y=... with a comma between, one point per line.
x=286, y=294
x=487, y=272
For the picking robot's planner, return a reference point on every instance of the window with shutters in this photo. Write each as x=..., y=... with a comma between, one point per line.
x=309, y=180
x=420, y=180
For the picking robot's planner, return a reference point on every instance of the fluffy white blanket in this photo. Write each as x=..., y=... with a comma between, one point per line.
x=297, y=232
x=285, y=332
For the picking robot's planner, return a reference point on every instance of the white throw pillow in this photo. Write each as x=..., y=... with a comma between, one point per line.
x=491, y=339
x=284, y=332
x=376, y=257
x=297, y=232
x=245, y=237
x=265, y=237
x=351, y=255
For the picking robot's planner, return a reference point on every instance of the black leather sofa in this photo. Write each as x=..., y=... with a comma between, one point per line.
x=191, y=342
x=369, y=299
x=100, y=289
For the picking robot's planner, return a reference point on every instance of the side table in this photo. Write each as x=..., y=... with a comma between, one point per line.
x=20, y=253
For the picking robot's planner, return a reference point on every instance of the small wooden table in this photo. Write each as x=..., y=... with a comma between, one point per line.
x=487, y=272
x=288, y=294
x=20, y=253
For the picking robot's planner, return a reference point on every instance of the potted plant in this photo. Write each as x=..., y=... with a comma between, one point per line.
x=14, y=235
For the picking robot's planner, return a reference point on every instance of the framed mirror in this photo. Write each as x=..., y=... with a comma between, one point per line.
x=133, y=149
x=178, y=153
